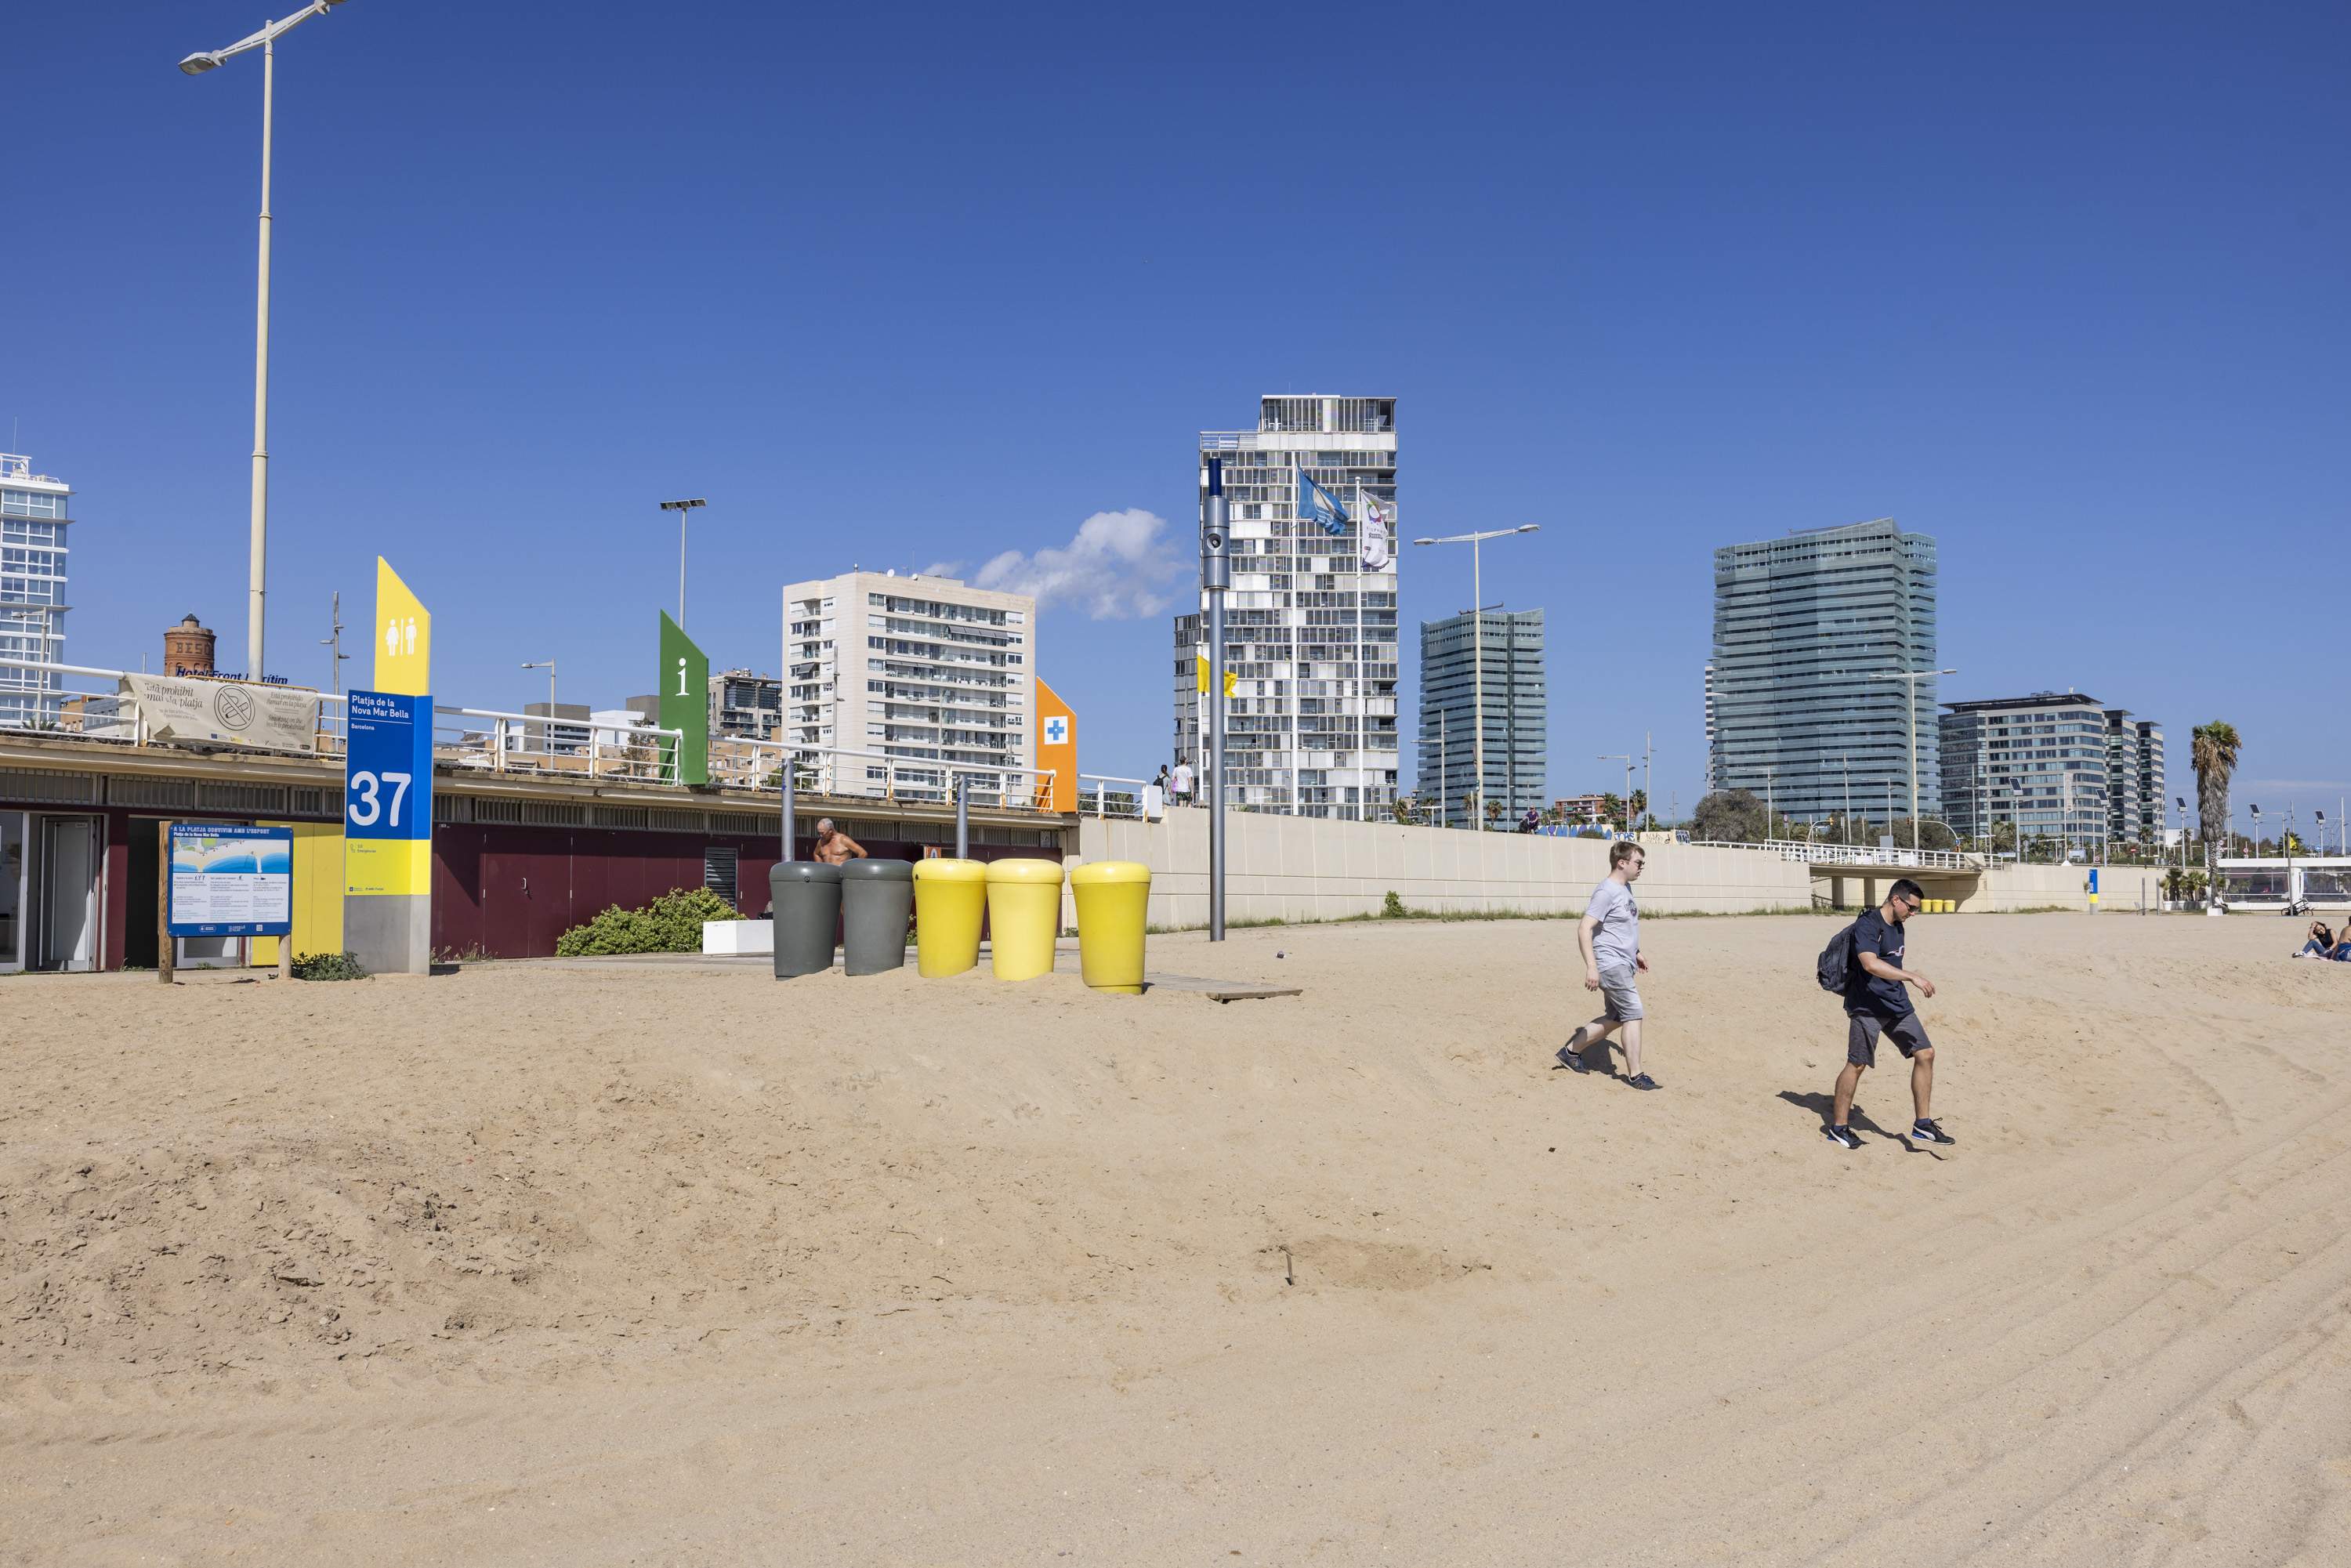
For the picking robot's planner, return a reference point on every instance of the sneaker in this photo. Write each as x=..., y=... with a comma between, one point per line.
x=1572, y=1054
x=1644, y=1082
x=1924, y=1131
x=1841, y=1136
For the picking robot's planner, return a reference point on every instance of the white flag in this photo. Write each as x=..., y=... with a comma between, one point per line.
x=1376, y=546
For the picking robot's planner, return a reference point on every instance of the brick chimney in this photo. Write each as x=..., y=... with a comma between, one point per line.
x=188, y=648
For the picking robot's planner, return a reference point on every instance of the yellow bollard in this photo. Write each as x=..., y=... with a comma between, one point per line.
x=1113, y=897
x=1024, y=915
x=950, y=896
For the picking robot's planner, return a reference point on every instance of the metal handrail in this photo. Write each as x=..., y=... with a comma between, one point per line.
x=1819, y=853
x=1102, y=782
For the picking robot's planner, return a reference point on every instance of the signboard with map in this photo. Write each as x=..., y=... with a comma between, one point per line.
x=229, y=878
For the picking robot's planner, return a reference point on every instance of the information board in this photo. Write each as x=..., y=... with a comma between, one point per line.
x=229, y=878
x=388, y=795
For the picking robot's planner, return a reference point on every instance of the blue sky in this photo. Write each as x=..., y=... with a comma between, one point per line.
x=2062, y=286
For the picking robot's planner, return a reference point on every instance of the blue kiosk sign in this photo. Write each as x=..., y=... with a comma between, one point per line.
x=230, y=878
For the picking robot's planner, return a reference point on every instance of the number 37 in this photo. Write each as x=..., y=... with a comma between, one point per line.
x=365, y=804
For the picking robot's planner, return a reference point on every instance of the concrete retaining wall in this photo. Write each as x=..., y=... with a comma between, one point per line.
x=1300, y=868
x=2120, y=887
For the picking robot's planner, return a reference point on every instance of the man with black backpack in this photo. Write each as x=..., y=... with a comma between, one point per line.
x=1876, y=1004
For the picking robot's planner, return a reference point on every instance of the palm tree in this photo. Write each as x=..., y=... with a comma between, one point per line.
x=2214, y=756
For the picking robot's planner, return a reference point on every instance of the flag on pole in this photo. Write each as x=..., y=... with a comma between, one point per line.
x=1377, y=541
x=1318, y=504
x=1231, y=680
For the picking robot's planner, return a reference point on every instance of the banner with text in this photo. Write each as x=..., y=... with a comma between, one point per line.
x=229, y=878
x=225, y=713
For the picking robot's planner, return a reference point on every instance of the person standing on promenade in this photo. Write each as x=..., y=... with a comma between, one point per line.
x=1876, y=1004
x=1179, y=787
x=1610, y=936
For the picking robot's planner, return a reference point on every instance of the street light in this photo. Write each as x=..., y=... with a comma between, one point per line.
x=548, y=665
x=1478, y=639
x=1911, y=678
x=197, y=64
x=1627, y=760
x=682, y=508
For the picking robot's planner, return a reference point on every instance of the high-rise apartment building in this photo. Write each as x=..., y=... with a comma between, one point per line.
x=909, y=671
x=746, y=705
x=33, y=515
x=1805, y=628
x=2038, y=764
x=2136, y=809
x=1710, y=729
x=1516, y=713
x=1311, y=618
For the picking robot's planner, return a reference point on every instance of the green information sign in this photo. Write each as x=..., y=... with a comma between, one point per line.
x=685, y=701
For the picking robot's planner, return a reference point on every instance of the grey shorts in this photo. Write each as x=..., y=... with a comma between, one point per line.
x=1908, y=1035
x=1624, y=997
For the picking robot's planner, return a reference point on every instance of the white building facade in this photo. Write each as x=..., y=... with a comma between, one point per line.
x=913, y=672
x=34, y=514
x=1311, y=618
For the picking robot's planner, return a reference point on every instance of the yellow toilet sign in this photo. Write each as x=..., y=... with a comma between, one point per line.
x=404, y=636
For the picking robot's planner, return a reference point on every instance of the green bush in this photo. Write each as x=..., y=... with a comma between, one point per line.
x=328, y=967
x=1393, y=908
x=670, y=924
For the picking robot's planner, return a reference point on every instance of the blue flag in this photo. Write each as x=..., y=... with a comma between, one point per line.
x=1319, y=505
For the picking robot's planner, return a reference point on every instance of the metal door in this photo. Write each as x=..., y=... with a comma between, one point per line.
x=68, y=893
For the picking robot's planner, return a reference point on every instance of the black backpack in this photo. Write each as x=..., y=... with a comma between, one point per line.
x=1834, y=969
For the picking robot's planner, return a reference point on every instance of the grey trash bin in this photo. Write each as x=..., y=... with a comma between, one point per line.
x=807, y=899
x=877, y=902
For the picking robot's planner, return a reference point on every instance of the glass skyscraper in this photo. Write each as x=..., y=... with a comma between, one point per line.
x=1802, y=626
x=1516, y=713
x=33, y=521
x=1310, y=625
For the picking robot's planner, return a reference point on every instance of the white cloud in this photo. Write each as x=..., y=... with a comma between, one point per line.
x=1114, y=567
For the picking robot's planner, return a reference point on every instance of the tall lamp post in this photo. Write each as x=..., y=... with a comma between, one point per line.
x=1910, y=679
x=548, y=665
x=682, y=508
x=1624, y=757
x=1477, y=641
x=258, y=577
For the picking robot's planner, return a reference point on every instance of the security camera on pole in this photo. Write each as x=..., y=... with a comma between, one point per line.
x=1216, y=576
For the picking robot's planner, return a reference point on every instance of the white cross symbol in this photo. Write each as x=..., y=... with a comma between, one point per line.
x=1057, y=730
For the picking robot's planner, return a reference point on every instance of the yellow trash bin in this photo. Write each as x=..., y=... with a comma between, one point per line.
x=1024, y=915
x=950, y=896
x=1113, y=898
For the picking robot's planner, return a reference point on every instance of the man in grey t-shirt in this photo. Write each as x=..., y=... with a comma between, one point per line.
x=1610, y=936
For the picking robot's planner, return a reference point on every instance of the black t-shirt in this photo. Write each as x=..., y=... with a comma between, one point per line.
x=1873, y=932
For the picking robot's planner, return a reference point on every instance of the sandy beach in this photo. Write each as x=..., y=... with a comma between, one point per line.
x=628, y=1262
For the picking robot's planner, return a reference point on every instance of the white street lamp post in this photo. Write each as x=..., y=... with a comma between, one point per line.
x=257, y=586
x=1477, y=641
x=1910, y=687
x=548, y=665
x=1627, y=760
x=682, y=508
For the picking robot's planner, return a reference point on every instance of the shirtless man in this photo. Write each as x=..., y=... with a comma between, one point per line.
x=834, y=847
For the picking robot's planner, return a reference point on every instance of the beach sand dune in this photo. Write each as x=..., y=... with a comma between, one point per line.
x=616, y=1262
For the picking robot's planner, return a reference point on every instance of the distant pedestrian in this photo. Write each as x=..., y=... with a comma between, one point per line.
x=1874, y=1005
x=1180, y=784
x=1610, y=938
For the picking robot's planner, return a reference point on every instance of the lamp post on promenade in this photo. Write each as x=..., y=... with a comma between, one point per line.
x=682, y=508
x=1910, y=679
x=548, y=665
x=1478, y=642
x=1627, y=759
x=258, y=575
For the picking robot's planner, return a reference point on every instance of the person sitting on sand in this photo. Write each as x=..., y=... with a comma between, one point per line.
x=834, y=847
x=2322, y=941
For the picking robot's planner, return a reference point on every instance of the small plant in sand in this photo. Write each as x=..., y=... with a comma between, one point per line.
x=328, y=967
